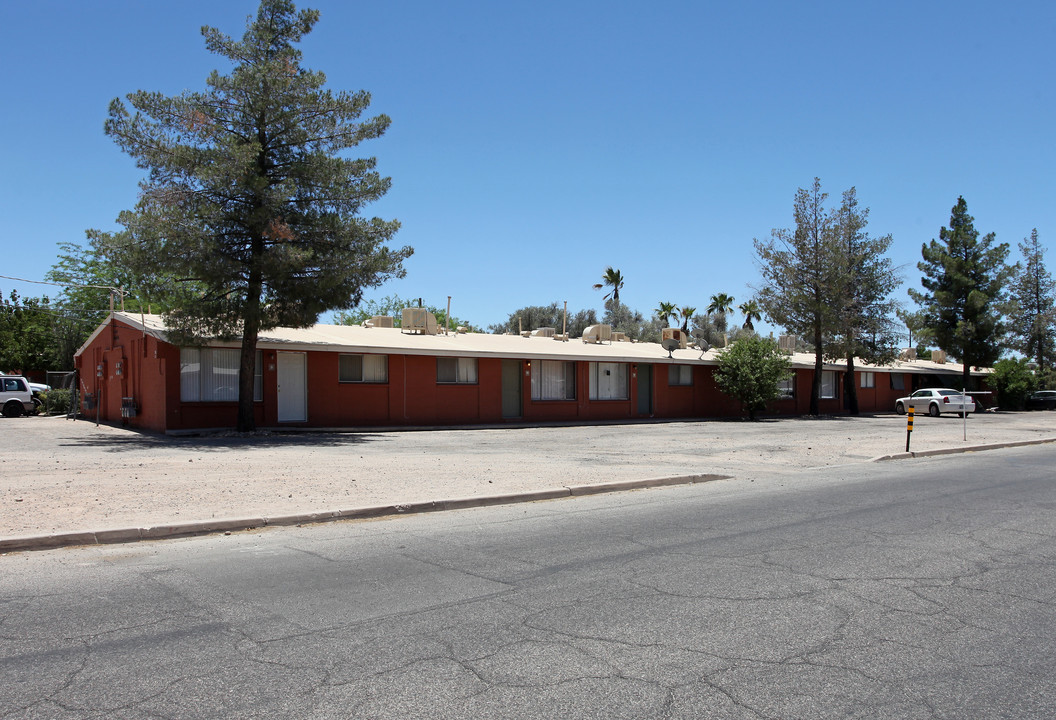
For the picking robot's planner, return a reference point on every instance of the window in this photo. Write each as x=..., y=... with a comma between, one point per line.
x=456, y=370
x=787, y=387
x=868, y=380
x=363, y=368
x=608, y=381
x=898, y=381
x=211, y=375
x=14, y=385
x=553, y=380
x=828, y=384
x=679, y=374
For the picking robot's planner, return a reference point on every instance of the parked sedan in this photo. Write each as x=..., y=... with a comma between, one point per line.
x=936, y=401
x=1042, y=400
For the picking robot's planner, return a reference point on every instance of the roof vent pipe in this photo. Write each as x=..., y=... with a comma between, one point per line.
x=447, y=320
x=564, y=323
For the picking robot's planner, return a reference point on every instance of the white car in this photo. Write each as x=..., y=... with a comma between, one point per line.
x=15, y=396
x=936, y=401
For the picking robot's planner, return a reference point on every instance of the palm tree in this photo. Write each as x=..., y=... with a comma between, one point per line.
x=750, y=310
x=687, y=314
x=667, y=312
x=721, y=303
x=614, y=279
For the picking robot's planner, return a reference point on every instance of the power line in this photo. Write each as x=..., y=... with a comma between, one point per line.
x=67, y=284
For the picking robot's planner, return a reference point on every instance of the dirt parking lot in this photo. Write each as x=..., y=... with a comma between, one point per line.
x=63, y=475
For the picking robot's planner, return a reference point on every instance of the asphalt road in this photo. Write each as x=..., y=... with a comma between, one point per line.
x=922, y=589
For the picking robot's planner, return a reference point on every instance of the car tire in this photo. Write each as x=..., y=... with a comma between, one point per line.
x=900, y=409
x=933, y=410
x=13, y=409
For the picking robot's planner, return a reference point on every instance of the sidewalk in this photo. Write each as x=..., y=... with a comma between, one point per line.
x=64, y=476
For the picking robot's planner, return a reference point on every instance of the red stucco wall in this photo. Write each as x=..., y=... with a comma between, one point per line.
x=135, y=365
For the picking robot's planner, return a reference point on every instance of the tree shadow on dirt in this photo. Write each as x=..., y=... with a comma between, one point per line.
x=224, y=441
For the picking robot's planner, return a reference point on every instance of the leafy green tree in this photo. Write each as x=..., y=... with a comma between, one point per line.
x=964, y=281
x=1033, y=310
x=750, y=370
x=629, y=322
x=865, y=319
x=27, y=338
x=94, y=281
x=552, y=315
x=801, y=273
x=249, y=195
x=613, y=279
x=751, y=311
x=393, y=305
x=666, y=312
x=1013, y=381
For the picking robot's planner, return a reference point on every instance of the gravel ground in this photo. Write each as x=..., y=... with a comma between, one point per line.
x=64, y=475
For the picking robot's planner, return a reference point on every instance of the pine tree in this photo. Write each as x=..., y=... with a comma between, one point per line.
x=249, y=199
x=1033, y=313
x=964, y=279
x=865, y=312
x=801, y=271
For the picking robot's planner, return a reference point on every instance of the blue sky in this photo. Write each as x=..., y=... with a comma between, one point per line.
x=533, y=144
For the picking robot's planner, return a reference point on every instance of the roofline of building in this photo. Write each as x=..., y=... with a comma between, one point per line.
x=446, y=345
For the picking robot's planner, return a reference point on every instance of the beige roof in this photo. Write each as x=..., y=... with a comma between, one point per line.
x=393, y=341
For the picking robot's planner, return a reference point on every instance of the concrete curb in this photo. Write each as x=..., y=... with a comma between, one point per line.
x=958, y=450
x=228, y=525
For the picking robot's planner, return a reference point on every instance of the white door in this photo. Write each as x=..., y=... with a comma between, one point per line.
x=291, y=391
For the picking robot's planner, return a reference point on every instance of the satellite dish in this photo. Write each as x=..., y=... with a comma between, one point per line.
x=703, y=344
x=670, y=344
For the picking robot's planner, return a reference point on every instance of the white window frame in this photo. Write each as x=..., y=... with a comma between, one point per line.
x=456, y=371
x=553, y=380
x=211, y=375
x=371, y=368
x=679, y=375
x=868, y=379
x=609, y=381
x=787, y=387
x=830, y=387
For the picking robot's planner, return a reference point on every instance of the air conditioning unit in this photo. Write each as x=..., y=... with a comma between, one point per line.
x=544, y=332
x=598, y=333
x=619, y=337
x=787, y=342
x=419, y=320
x=385, y=321
x=908, y=354
x=938, y=356
x=674, y=334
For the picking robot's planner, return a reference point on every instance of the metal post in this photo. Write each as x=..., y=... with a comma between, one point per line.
x=909, y=425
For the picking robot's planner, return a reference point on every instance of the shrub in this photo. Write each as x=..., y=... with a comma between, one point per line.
x=750, y=370
x=56, y=401
x=1013, y=381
